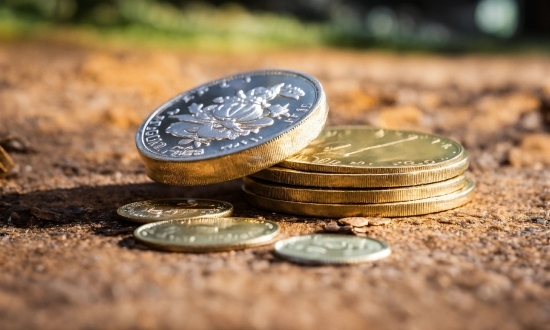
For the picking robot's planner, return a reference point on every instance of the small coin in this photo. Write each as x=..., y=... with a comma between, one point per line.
x=397, y=209
x=331, y=249
x=175, y=208
x=332, y=180
x=352, y=196
x=6, y=162
x=364, y=149
x=231, y=127
x=207, y=234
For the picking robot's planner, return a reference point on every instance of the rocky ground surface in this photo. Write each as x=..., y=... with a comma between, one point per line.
x=68, y=116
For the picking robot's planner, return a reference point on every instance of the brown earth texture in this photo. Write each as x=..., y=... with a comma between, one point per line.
x=68, y=116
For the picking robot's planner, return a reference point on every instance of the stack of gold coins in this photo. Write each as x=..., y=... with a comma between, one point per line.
x=365, y=171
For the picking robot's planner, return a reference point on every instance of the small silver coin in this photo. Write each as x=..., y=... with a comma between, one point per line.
x=174, y=208
x=331, y=249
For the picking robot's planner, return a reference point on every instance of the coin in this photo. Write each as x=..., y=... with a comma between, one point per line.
x=6, y=162
x=231, y=127
x=363, y=149
x=332, y=180
x=331, y=249
x=207, y=234
x=174, y=208
x=397, y=209
x=352, y=196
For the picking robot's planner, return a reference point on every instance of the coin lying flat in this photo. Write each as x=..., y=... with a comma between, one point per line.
x=6, y=163
x=333, y=180
x=231, y=127
x=352, y=196
x=331, y=249
x=364, y=149
x=174, y=208
x=397, y=209
x=207, y=234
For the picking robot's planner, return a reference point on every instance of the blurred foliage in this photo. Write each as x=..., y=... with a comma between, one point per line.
x=156, y=22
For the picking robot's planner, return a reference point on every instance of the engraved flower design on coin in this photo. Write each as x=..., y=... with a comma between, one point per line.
x=174, y=208
x=331, y=249
x=231, y=127
x=233, y=116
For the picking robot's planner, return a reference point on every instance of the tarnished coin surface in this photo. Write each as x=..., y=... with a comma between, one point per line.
x=174, y=208
x=207, y=234
x=331, y=249
x=231, y=127
x=352, y=196
x=293, y=177
x=364, y=149
x=396, y=209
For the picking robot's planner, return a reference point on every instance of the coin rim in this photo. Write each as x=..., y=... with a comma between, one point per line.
x=351, y=260
x=6, y=162
x=349, y=169
x=225, y=213
x=238, y=164
x=385, y=180
x=257, y=241
x=397, y=209
x=352, y=196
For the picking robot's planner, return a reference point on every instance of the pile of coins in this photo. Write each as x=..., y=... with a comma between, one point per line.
x=267, y=127
x=365, y=171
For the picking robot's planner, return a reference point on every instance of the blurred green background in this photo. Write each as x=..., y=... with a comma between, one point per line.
x=452, y=25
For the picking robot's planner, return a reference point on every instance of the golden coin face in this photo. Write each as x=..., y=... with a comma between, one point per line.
x=352, y=196
x=397, y=209
x=207, y=234
x=331, y=249
x=362, y=149
x=175, y=208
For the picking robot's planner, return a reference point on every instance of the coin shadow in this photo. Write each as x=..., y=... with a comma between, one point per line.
x=96, y=206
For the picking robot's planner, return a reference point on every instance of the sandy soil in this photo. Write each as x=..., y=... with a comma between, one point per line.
x=68, y=116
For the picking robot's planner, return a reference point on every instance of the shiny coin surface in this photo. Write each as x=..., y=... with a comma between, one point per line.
x=364, y=149
x=207, y=234
x=231, y=127
x=397, y=209
x=331, y=249
x=352, y=196
x=333, y=180
x=6, y=162
x=174, y=208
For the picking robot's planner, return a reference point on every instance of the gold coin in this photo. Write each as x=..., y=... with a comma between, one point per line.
x=232, y=127
x=331, y=249
x=398, y=209
x=363, y=149
x=332, y=180
x=207, y=234
x=6, y=162
x=352, y=196
x=174, y=208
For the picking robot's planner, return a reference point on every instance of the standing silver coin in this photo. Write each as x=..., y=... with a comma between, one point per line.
x=174, y=208
x=331, y=249
x=232, y=127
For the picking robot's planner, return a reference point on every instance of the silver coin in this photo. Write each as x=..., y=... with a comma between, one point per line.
x=331, y=249
x=174, y=208
x=226, y=117
x=207, y=235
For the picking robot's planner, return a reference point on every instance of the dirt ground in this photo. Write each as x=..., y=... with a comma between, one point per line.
x=68, y=116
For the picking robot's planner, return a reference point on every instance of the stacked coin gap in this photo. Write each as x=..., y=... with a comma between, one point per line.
x=365, y=171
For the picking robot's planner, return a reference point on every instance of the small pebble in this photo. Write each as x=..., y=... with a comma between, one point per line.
x=354, y=221
x=360, y=229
